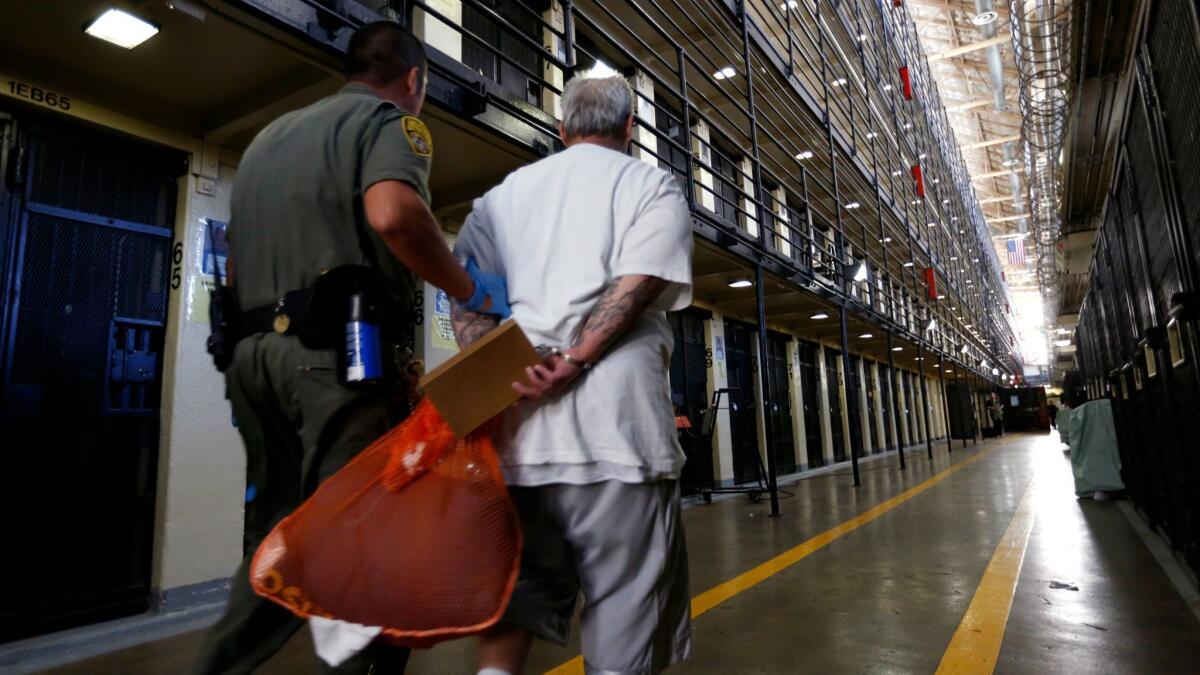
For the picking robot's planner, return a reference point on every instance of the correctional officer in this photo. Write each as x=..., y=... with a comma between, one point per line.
x=340, y=183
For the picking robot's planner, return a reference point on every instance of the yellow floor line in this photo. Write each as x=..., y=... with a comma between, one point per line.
x=976, y=644
x=722, y=592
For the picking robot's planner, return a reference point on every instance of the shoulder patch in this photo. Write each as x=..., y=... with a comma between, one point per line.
x=418, y=136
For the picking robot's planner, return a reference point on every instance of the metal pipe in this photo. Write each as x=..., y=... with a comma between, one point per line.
x=764, y=370
x=925, y=401
x=994, y=61
x=895, y=426
x=851, y=408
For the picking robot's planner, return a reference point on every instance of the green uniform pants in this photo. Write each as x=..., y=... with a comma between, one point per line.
x=299, y=426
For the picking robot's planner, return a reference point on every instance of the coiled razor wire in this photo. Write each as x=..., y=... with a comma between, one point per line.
x=1041, y=35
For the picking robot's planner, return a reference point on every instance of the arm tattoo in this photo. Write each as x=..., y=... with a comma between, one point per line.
x=470, y=326
x=619, y=306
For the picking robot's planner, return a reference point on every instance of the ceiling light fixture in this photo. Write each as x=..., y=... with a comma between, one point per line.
x=897, y=349
x=741, y=283
x=984, y=18
x=121, y=28
x=908, y=264
x=853, y=205
x=819, y=315
x=804, y=154
x=724, y=73
x=841, y=81
x=866, y=336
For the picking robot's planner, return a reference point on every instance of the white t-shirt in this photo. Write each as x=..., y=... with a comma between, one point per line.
x=560, y=230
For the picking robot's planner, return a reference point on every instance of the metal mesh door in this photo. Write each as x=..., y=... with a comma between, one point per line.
x=84, y=331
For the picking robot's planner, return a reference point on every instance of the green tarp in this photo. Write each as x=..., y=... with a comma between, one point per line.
x=1088, y=429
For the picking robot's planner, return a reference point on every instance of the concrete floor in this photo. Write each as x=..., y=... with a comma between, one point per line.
x=887, y=597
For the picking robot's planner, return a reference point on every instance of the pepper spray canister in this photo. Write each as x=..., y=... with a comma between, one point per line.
x=362, y=354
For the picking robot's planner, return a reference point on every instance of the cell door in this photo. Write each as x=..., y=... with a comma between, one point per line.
x=779, y=403
x=873, y=424
x=835, y=404
x=743, y=409
x=689, y=394
x=886, y=395
x=87, y=263
x=809, y=382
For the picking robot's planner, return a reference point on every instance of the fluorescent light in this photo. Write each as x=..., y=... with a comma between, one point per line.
x=908, y=264
x=941, y=297
x=930, y=224
x=945, y=201
x=121, y=28
x=887, y=87
x=853, y=205
x=866, y=336
x=1062, y=343
x=886, y=240
x=819, y=315
x=804, y=154
x=897, y=349
x=871, y=134
x=995, y=371
x=724, y=73
x=841, y=81
x=790, y=4
x=897, y=173
x=741, y=283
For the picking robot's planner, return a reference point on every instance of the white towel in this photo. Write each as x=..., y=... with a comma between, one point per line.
x=337, y=641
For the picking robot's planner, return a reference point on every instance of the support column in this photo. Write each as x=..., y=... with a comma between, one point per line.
x=552, y=74
x=823, y=402
x=880, y=431
x=844, y=401
x=848, y=411
x=718, y=378
x=748, y=219
x=796, y=391
x=905, y=438
x=760, y=402
x=703, y=177
x=764, y=372
x=644, y=110
x=783, y=235
x=437, y=33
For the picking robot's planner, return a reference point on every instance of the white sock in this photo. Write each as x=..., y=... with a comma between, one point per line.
x=493, y=671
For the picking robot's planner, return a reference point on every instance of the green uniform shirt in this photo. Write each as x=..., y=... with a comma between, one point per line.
x=297, y=199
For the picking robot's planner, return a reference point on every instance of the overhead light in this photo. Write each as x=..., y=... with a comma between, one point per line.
x=724, y=73
x=954, y=257
x=121, y=28
x=908, y=264
x=984, y=18
x=866, y=336
x=945, y=201
x=871, y=134
x=860, y=274
x=921, y=156
x=897, y=349
x=995, y=371
x=941, y=297
x=930, y=224
x=862, y=37
x=1062, y=343
x=897, y=173
x=949, y=370
x=886, y=240
x=908, y=125
x=853, y=205
x=936, y=181
x=841, y=81
x=887, y=87
x=804, y=154
x=741, y=283
x=790, y=4
x=819, y=315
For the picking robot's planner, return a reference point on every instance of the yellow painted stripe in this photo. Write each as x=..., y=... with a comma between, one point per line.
x=722, y=592
x=976, y=644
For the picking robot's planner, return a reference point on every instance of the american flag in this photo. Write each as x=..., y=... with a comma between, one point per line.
x=1016, y=251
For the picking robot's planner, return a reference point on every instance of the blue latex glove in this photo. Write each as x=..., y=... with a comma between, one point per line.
x=487, y=286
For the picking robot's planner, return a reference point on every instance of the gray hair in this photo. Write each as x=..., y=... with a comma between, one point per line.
x=596, y=106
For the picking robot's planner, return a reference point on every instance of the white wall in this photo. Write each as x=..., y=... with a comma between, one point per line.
x=201, y=471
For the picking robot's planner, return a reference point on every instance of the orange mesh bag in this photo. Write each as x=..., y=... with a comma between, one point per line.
x=416, y=535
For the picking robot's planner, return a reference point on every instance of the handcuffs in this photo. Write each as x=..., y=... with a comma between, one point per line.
x=547, y=350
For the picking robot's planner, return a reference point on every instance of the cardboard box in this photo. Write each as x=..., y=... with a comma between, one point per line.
x=475, y=385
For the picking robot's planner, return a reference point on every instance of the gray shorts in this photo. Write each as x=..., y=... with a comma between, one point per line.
x=622, y=545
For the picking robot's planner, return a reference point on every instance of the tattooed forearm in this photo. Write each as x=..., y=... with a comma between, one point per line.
x=621, y=304
x=470, y=326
